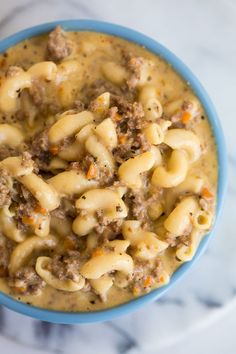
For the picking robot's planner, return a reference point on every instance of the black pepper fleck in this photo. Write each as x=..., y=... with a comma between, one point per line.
x=118, y=208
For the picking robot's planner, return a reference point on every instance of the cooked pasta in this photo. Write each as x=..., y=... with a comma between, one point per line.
x=107, y=179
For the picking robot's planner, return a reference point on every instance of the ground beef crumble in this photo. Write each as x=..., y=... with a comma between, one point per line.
x=79, y=106
x=40, y=143
x=24, y=207
x=66, y=266
x=178, y=241
x=37, y=92
x=58, y=45
x=134, y=65
x=7, y=151
x=107, y=229
x=26, y=282
x=142, y=271
x=65, y=210
x=39, y=150
x=6, y=247
x=5, y=191
x=27, y=161
x=138, y=204
x=129, y=127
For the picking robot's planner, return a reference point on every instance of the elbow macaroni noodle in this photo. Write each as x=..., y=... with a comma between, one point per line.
x=26, y=248
x=185, y=253
x=8, y=226
x=10, y=88
x=147, y=244
x=114, y=72
x=184, y=140
x=105, y=200
x=15, y=167
x=12, y=85
x=45, y=194
x=68, y=125
x=130, y=171
x=100, y=152
x=203, y=220
x=175, y=173
x=10, y=135
x=151, y=104
x=102, y=285
x=180, y=218
x=70, y=183
x=46, y=70
x=100, y=265
x=101, y=104
x=106, y=131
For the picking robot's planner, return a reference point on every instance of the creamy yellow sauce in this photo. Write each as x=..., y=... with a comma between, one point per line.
x=90, y=51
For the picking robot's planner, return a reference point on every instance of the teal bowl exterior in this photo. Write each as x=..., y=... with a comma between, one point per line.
x=187, y=75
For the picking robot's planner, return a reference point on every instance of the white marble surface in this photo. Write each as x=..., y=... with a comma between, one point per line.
x=198, y=315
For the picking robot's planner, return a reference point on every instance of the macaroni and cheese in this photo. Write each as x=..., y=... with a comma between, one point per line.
x=108, y=171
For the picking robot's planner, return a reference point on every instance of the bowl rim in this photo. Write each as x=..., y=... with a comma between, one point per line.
x=181, y=69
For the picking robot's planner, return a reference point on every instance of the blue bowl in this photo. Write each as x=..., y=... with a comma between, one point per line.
x=187, y=75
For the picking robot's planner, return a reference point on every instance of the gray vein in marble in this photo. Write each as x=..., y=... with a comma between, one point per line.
x=232, y=175
x=232, y=160
x=43, y=330
x=128, y=342
x=232, y=190
x=2, y=318
x=170, y=301
x=86, y=9
x=208, y=302
x=16, y=11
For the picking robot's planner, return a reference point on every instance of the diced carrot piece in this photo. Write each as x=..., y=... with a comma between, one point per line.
x=54, y=150
x=161, y=279
x=98, y=252
x=186, y=117
x=136, y=291
x=100, y=99
x=117, y=117
x=70, y=244
x=20, y=289
x=92, y=171
x=28, y=220
x=40, y=210
x=122, y=139
x=206, y=193
x=148, y=281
